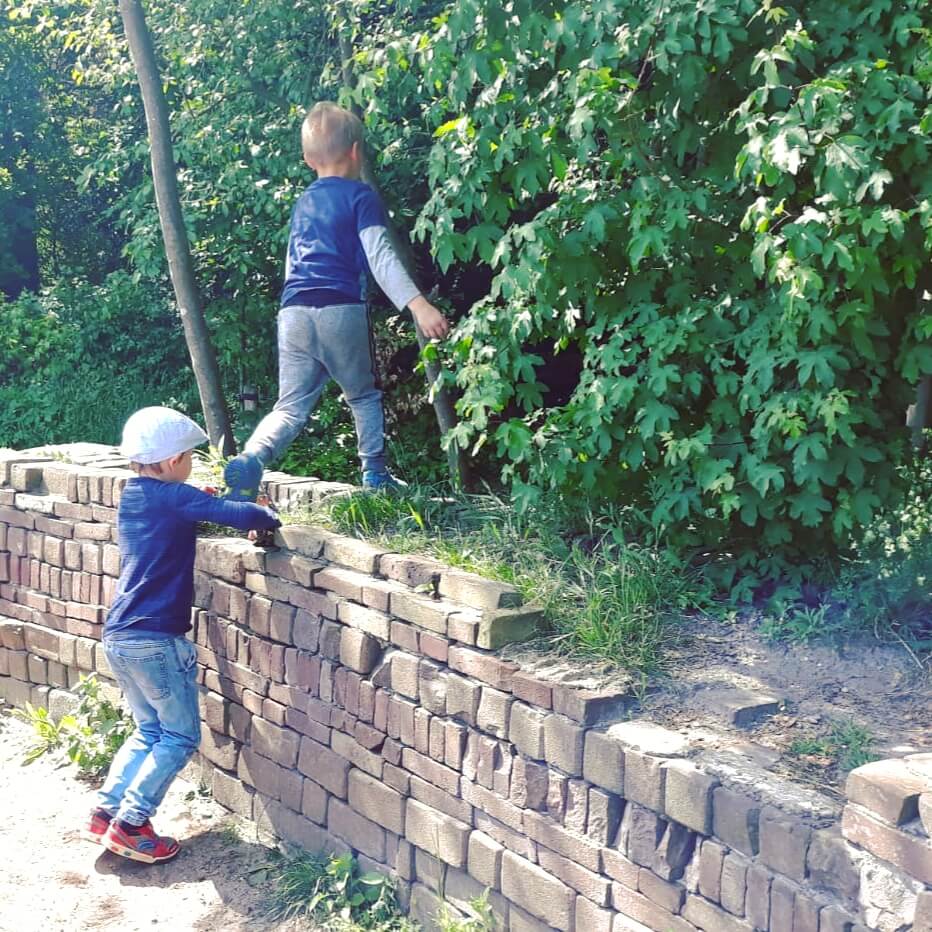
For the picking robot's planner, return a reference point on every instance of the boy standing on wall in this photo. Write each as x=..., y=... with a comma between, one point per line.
x=144, y=635
x=338, y=231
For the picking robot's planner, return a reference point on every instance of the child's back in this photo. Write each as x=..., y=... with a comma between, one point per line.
x=338, y=232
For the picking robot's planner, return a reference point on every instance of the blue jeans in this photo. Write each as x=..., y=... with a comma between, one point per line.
x=316, y=344
x=158, y=676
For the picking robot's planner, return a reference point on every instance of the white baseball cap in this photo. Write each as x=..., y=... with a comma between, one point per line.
x=155, y=434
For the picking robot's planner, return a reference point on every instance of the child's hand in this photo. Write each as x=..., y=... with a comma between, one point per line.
x=433, y=324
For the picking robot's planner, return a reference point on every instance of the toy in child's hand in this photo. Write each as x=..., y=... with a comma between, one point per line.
x=264, y=538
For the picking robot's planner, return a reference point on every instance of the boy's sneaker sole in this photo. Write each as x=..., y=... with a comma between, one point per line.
x=134, y=855
x=146, y=842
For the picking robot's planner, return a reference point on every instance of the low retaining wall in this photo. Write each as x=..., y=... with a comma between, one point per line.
x=353, y=699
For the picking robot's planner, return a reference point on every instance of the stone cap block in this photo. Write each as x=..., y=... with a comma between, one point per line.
x=502, y=626
x=649, y=738
x=477, y=591
x=739, y=706
x=891, y=788
x=303, y=538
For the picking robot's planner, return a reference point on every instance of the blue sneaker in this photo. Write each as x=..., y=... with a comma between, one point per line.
x=242, y=475
x=381, y=481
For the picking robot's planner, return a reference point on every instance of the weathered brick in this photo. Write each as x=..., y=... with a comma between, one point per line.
x=436, y=833
x=835, y=919
x=833, y=864
x=278, y=744
x=494, y=711
x=890, y=789
x=303, y=539
x=541, y=894
x=711, y=858
x=641, y=831
x=462, y=698
x=757, y=901
x=529, y=784
x=356, y=554
x=485, y=859
x=378, y=624
x=532, y=690
x=563, y=744
x=323, y=766
x=358, y=832
x=485, y=667
x=635, y=906
x=498, y=627
x=668, y=895
x=605, y=810
x=592, y=918
x=736, y=820
x=219, y=749
x=232, y=793
x=688, y=795
x=405, y=669
x=421, y=610
x=782, y=899
x=784, y=842
x=378, y=803
x=734, y=883
x=604, y=762
x=305, y=632
x=708, y=916
x=476, y=591
x=346, y=746
x=439, y=799
x=911, y=853
x=591, y=706
x=541, y=829
x=590, y=884
x=314, y=800
x=405, y=636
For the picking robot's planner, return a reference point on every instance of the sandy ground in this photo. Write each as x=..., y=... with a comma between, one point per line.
x=52, y=879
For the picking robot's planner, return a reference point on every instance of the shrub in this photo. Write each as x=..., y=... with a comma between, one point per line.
x=719, y=213
x=77, y=360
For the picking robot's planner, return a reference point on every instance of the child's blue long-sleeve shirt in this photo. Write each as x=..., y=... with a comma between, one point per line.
x=157, y=525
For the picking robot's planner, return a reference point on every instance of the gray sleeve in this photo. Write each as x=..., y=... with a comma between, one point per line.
x=386, y=267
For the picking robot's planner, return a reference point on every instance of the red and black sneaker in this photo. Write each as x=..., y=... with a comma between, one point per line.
x=97, y=824
x=139, y=842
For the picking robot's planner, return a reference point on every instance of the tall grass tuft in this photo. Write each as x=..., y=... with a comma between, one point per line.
x=605, y=593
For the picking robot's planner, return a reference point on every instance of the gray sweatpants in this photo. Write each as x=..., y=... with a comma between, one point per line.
x=316, y=344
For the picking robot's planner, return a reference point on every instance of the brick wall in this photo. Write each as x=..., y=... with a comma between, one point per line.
x=354, y=699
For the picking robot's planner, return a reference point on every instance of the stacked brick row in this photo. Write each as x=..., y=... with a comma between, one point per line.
x=59, y=563
x=354, y=699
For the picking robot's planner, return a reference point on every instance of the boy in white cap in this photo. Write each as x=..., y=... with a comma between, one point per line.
x=144, y=635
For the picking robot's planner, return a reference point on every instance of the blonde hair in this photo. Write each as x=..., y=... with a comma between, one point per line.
x=328, y=132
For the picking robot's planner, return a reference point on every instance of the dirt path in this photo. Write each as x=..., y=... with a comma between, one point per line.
x=52, y=880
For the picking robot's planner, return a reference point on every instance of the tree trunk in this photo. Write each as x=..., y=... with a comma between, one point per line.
x=919, y=417
x=177, y=251
x=443, y=404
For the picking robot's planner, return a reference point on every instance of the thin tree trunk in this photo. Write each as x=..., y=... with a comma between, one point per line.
x=177, y=251
x=920, y=413
x=443, y=404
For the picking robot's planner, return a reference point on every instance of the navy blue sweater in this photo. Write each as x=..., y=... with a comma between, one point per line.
x=158, y=528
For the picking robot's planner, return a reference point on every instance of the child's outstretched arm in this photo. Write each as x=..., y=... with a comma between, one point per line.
x=196, y=505
x=392, y=278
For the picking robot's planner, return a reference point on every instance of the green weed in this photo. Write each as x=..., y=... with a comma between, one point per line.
x=336, y=895
x=478, y=918
x=90, y=737
x=846, y=746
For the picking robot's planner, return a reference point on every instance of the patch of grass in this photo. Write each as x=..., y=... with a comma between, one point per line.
x=846, y=746
x=603, y=594
x=336, y=895
x=478, y=918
